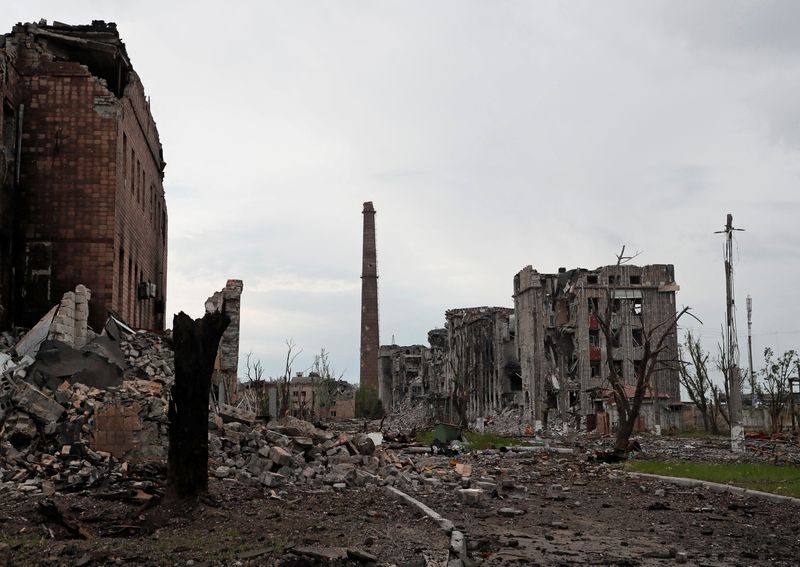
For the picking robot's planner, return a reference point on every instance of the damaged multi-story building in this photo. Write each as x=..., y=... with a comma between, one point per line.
x=547, y=355
x=482, y=369
x=81, y=171
x=562, y=351
x=470, y=368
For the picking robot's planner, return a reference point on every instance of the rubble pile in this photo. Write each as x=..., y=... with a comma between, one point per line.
x=66, y=439
x=74, y=437
x=149, y=356
x=408, y=416
x=508, y=422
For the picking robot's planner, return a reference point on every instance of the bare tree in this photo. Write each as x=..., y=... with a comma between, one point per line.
x=655, y=341
x=693, y=375
x=722, y=395
x=285, y=380
x=775, y=383
x=256, y=396
x=325, y=384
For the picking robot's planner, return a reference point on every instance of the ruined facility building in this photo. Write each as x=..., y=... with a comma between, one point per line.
x=414, y=374
x=482, y=372
x=470, y=368
x=563, y=354
x=81, y=171
x=546, y=356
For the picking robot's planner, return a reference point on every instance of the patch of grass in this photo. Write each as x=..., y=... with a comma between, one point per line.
x=424, y=437
x=473, y=440
x=784, y=480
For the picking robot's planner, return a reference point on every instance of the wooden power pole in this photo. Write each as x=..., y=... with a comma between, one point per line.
x=731, y=345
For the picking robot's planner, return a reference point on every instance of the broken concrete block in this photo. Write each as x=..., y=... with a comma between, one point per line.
x=510, y=512
x=20, y=429
x=231, y=414
x=364, y=444
x=281, y=456
x=471, y=496
x=29, y=344
x=222, y=472
x=555, y=492
x=271, y=479
x=33, y=401
x=302, y=443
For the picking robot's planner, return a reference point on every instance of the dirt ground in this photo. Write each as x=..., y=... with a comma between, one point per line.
x=599, y=516
x=536, y=509
x=248, y=527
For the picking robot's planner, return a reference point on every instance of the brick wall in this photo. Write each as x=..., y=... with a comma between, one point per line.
x=370, y=338
x=9, y=85
x=91, y=208
x=141, y=213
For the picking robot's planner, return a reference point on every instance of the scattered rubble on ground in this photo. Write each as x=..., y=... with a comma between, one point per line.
x=63, y=441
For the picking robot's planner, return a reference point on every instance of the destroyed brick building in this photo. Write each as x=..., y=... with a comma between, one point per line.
x=225, y=381
x=413, y=373
x=563, y=355
x=546, y=354
x=81, y=171
x=482, y=371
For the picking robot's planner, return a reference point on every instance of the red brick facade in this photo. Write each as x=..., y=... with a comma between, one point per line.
x=90, y=204
x=370, y=339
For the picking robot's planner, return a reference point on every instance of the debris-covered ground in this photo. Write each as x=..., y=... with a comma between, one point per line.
x=82, y=471
x=538, y=508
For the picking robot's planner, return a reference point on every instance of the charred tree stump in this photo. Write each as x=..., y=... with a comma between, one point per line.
x=195, y=343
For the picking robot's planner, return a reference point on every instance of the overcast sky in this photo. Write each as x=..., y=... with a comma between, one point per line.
x=489, y=135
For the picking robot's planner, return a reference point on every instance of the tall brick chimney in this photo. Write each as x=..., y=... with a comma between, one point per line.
x=369, y=304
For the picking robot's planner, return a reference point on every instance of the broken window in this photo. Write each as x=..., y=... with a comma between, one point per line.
x=9, y=129
x=594, y=338
x=638, y=367
x=636, y=305
x=618, y=368
x=615, y=339
x=594, y=305
x=637, y=337
x=591, y=280
x=616, y=304
x=594, y=369
x=613, y=280
x=125, y=157
x=636, y=280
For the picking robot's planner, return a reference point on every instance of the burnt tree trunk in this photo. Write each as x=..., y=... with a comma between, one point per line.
x=195, y=344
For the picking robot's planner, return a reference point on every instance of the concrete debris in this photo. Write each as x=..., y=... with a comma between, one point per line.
x=64, y=435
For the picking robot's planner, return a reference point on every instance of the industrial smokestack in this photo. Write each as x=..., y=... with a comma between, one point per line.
x=370, y=340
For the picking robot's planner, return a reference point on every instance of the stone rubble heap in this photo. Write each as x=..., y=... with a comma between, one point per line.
x=78, y=437
x=49, y=439
x=409, y=416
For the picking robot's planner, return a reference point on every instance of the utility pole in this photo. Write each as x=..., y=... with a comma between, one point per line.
x=791, y=398
x=731, y=344
x=750, y=350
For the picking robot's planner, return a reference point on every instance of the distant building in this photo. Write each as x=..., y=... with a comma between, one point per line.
x=482, y=370
x=81, y=170
x=563, y=354
x=403, y=374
